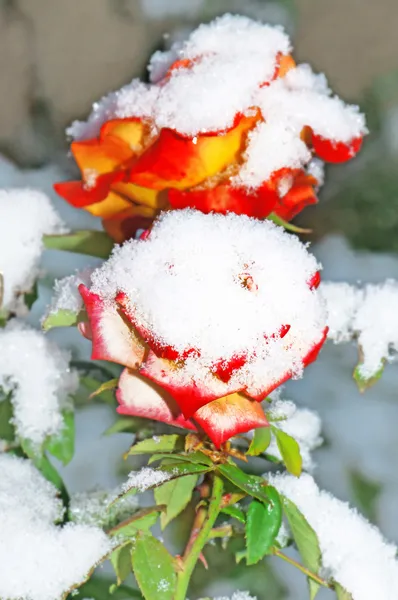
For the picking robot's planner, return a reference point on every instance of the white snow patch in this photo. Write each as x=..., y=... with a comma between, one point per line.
x=25, y=216
x=40, y=561
x=66, y=293
x=237, y=596
x=145, y=478
x=37, y=374
x=354, y=553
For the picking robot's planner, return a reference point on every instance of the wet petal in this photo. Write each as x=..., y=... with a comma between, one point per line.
x=229, y=416
x=335, y=152
x=113, y=339
x=139, y=397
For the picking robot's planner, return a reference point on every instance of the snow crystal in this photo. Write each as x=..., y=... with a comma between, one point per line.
x=237, y=596
x=369, y=314
x=93, y=508
x=37, y=373
x=186, y=284
x=145, y=478
x=354, y=552
x=39, y=560
x=66, y=294
x=25, y=216
x=302, y=424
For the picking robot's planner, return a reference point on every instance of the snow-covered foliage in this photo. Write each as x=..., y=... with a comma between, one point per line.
x=25, y=216
x=40, y=560
x=37, y=374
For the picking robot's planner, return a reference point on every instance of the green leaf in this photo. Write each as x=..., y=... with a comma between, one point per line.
x=181, y=469
x=306, y=541
x=121, y=562
x=94, y=243
x=129, y=424
x=286, y=225
x=98, y=588
x=31, y=297
x=153, y=568
x=251, y=484
x=366, y=493
x=290, y=451
x=46, y=468
x=362, y=382
x=235, y=512
x=260, y=442
x=62, y=446
x=105, y=387
x=262, y=525
x=163, y=443
x=61, y=318
x=142, y=520
x=176, y=495
x=7, y=429
x=341, y=593
x=191, y=457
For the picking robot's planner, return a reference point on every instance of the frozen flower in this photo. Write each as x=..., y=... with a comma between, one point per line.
x=206, y=322
x=228, y=124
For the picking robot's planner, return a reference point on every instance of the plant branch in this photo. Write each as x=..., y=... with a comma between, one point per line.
x=303, y=569
x=202, y=526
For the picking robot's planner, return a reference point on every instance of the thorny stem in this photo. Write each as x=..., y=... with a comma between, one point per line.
x=303, y=569
x=202, y=526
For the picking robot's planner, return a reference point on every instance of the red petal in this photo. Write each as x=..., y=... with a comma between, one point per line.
x=79, y=195
x=140, y=398
x=229, y=416
x=297, y=198
x=189, y=394
x=226, y=198
x=315, y=280
x=313, y=353
x=335, y=152
x=113, y=339
x=224, y=369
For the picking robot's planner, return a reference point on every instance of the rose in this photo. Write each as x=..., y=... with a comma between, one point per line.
x=146, y=162
x=208, y=314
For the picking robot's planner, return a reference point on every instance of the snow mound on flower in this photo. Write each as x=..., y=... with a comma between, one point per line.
x=224, y=286
x=354, y=552
x=227, y=68
x=37, y=374
x=25, y=216
x=41, y=561
x=370, y=314
x=302, y=424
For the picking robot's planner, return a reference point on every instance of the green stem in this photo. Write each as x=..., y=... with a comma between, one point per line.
x=303, y=569
x=203, y=524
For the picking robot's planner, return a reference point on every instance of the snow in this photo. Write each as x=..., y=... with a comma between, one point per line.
x=37, y=373
x=42, y=561
x=145, y=478
x=354, y=553
x=369, y=314
x=186, y=286
x=25, y=216
x=303, y=424
x=66, y=294
x=237, y=596
x=93, y=508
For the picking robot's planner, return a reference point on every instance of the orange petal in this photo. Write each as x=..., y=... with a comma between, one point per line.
x=229, y=416
x=95, y=157
x=285, y=64
x=335, y=152
x=181, y=162
x=112, y=205
x=112, y=337
x=189, y=394
x=139, y=397
x=226, y=198
x=151, y=198
x=132, y=131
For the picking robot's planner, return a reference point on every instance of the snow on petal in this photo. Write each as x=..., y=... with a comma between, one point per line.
x=37, y=374
x=354, y=553
x=25, y=216
x=42, y=561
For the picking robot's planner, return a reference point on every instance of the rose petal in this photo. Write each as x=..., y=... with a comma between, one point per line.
x=190, y=394
x=229, y=416
x=226, y=198
x=182, y=162
x=101, y=156
x=112, y=337
x=125, y=225
x=335, y=152
x=81, y=195
x=140, y=398
x=131, y=130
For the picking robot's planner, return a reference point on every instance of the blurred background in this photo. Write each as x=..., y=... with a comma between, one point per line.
x=58, y=57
